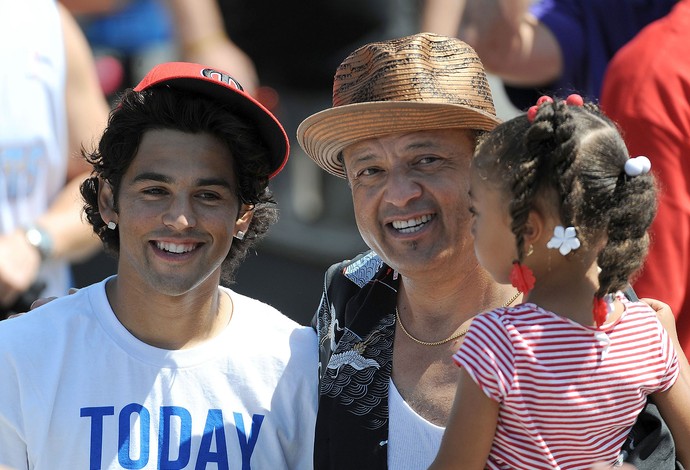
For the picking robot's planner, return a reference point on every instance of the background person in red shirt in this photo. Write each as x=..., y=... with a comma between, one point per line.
x=647, y=92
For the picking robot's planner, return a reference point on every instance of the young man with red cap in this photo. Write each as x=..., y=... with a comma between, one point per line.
x=158, y=366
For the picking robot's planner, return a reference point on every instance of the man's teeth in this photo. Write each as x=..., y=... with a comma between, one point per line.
x=411, y=225
x=174, y=247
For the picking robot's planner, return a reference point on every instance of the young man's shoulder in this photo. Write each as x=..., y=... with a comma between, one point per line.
x=268, y=320
x=52, y=316
x=41, y=335
x=271, y=335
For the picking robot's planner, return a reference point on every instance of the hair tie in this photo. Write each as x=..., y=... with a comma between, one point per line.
x=636, y=166
x=571, y=100
x=532, y=111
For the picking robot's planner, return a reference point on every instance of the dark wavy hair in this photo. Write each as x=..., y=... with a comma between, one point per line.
x=164, y=108
x=572, y=158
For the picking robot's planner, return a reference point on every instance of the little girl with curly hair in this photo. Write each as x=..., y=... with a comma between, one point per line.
x=561, y=212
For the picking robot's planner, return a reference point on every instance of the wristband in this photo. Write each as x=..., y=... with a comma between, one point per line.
x=41, y=240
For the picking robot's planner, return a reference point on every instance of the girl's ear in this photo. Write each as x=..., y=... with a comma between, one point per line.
x=244, y=218
x=534, y=227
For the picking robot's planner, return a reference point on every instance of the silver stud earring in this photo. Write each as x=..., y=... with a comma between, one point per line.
x=239, y=235
x=112, y=225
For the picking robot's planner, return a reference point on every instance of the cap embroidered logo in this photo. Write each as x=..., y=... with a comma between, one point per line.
x=222, y=77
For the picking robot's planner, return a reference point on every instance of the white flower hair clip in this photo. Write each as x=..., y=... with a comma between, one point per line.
x=564, y=240
x=637, y=166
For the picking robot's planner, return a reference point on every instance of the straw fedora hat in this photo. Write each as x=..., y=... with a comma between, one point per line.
x=414, y=83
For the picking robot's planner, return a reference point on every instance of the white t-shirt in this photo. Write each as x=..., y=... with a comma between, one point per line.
x=33, y=123
x=79, y=392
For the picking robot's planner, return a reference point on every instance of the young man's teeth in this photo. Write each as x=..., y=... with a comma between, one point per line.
x=174, y=248
x=411, y=225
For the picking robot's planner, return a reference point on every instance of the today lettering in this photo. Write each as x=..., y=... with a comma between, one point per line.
x=170, y=417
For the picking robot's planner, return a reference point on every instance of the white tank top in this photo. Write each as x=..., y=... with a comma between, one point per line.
x=33, y=128
x=413, y=441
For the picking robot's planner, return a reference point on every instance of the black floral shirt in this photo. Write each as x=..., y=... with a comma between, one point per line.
x=356, y=325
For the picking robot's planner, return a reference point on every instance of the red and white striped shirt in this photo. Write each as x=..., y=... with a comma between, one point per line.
x=568, y=393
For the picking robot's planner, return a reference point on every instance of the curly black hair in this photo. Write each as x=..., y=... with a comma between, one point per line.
x=572, y=158
x=165, y=108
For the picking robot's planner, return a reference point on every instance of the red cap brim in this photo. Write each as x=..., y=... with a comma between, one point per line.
x=222, y=87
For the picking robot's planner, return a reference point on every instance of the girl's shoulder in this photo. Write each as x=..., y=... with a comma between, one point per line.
x=525, y=312
x=526, y=315
x=635, y=309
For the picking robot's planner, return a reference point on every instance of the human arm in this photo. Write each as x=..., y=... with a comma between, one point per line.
x=605, y=466
x=96, y=7
x=202, y=38
x=470, y=430
x=667, y=319
x=673, y=406
x=649, y=444
x=673, y=403
x=510, y=41
x=442, y=16
x=86, y=105
x=72, y=239
x=87, y=115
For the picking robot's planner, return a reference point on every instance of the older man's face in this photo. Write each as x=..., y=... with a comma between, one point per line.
x=410, y=197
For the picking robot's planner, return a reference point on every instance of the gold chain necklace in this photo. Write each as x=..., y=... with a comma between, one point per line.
x=450, y=338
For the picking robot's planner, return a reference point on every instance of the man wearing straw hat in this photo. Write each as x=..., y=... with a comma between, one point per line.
x=405, y=118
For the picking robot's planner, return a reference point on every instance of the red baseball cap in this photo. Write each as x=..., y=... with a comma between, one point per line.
x=220, y=86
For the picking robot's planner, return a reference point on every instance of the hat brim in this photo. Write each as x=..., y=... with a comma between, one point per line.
x=270, y=130
x=325, y=134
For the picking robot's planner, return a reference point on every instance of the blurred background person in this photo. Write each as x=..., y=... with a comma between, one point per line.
x=127, y=37
x=552, y=47
x=51, y=104
x=646, y=90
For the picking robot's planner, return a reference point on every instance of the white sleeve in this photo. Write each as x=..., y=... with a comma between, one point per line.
x=13, y=451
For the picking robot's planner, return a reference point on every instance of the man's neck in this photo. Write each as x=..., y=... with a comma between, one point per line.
x=170, y=322
x=468, y=292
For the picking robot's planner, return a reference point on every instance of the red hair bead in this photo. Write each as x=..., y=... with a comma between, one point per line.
x=574, y=100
